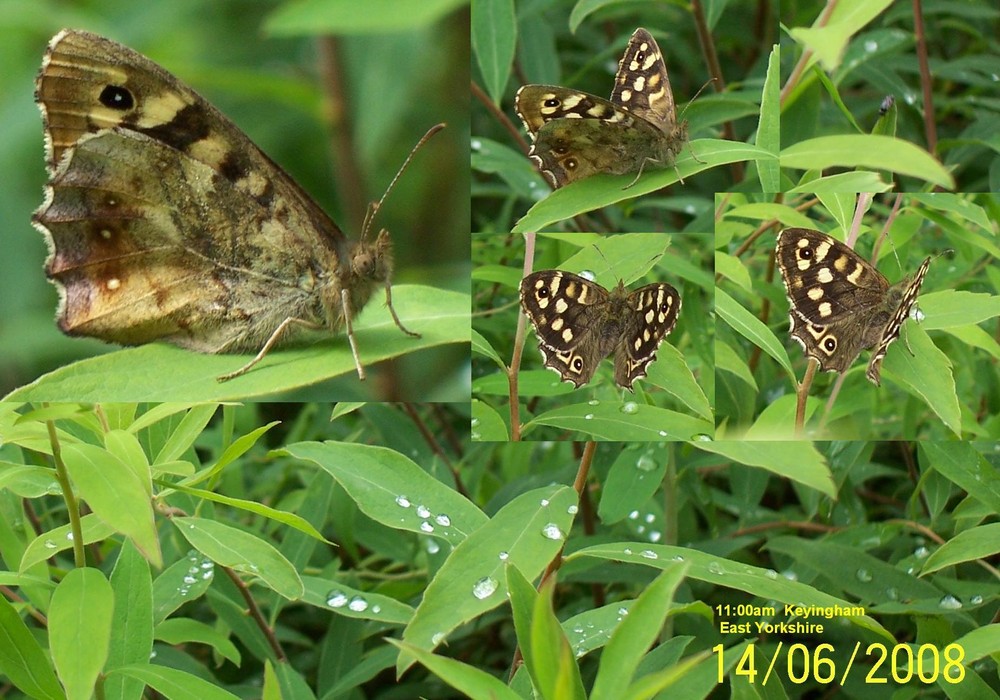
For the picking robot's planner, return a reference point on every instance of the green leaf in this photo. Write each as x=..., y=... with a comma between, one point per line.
x=635, y=475
x=610, y=420
x=726, y=573
x=769, y=124
x=976, y=543
x=926, y=373
x=182, y=630
x=470, y=681
x=116, y=494
x=604, y=190
x=22, y=660
x=175, y=684
x=952, y=307
x=132, y=621
x=243, y=552
x=556, y=673
x=279, y=516
x=314, y=17
x=80, y=630
x=827, y=39
x=391, y=489
x=494, y=38
x=59, y=539
x=636, y=634
x=342, y=599
x=867, y=151
x=487, y=425
x=529, y=530
x=799, y=461
x=962, y=465
x=159, y=372
x=751, y=328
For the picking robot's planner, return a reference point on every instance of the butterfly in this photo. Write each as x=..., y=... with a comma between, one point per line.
x=579, y=323
x=575, y=135
x=165, y=222
x=840, y=304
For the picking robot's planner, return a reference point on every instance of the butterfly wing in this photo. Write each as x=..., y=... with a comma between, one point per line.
x=642, y=85
x=903, y=296
x=654, y=310
x=563, y=309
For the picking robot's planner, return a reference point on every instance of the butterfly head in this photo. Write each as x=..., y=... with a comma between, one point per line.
x=372, y=260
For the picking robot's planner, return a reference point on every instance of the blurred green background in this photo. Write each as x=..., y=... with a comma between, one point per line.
x=259, y=62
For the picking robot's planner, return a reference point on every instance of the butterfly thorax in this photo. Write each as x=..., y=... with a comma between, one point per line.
x=364, y=266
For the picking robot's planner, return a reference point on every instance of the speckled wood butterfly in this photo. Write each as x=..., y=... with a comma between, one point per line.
x=840, y=304
x=575, y=135
x=579, y=323
x=165, y=222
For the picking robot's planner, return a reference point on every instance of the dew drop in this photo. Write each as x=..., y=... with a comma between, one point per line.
x=950, y=602
x=645, y=463
x=552, y=532
x=485, y=587
x=630, y=408
x=336, y=599
x=357, y=604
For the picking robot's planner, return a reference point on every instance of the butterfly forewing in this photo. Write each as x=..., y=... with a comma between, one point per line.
x=642, y=85
x=657, y=307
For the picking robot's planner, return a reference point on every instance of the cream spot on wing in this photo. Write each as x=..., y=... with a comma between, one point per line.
x=626, y=95
x=561, y=306
x=649, y=316
x=583, y=294
x=113, y=284
x=557, y=324
x=822, y=250
x=824, y=275
x=816, y=293
x=567, y=335
x=571, y=101
x=637, y=344
x=158, y=110
x=825, y=309
x=856, y=274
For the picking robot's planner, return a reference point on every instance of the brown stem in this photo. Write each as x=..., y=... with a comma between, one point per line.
x=515, y=360
x=802, y=395
x=711, y=56
x=930, y=128
x=256, y=614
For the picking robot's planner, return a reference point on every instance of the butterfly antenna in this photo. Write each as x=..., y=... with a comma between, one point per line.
x=373, y=207
x=691, y=101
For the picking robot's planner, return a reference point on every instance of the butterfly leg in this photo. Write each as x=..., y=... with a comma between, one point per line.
x=282, y=327
x=345, y=302
x=395, y=318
